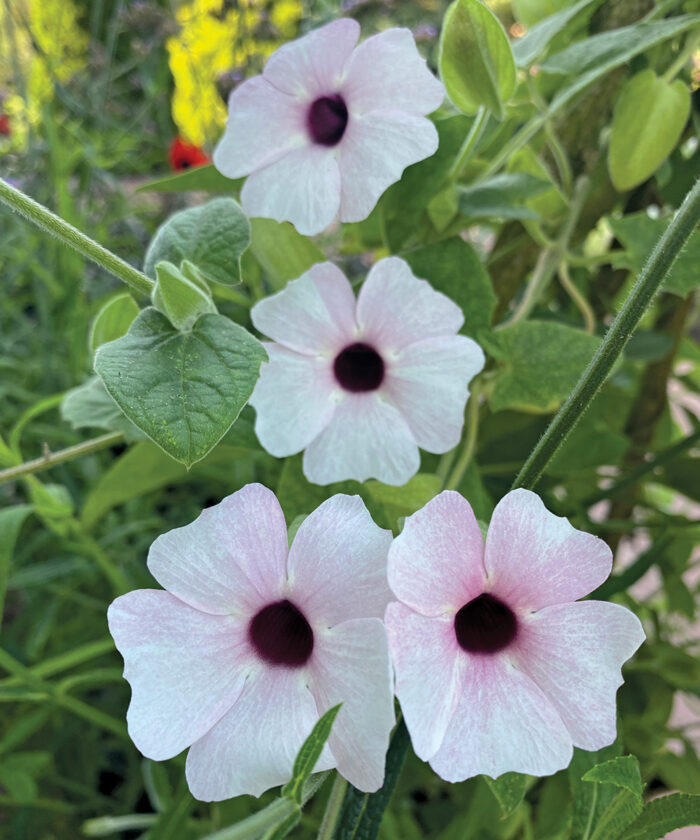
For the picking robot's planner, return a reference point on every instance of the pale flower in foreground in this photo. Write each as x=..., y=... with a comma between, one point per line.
x=498, y=666
x=360, y=385
x=252, y=641
x=328, y=126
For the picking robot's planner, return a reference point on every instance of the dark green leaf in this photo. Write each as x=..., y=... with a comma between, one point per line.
x=212, y=236
x=11, y=521
x=623, y=771
x=89, y=406
x=183, y=390
x=309, y=754
x=502, y=196
x=283, y=253
x=509, y=789
x=206, y=178
x=660, y=816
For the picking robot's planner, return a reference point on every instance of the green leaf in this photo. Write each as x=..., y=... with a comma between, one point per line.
x=407, y=499
x=502, y=196
x=624, y=808
x=589, y=800
x=509, y=789
x=538, y=37
x=179, y=298
x=530, y=12
x=542, y=361
x=476, y=61
x=309, y=754
x=648, y=120
x=609, y=49
x=206, y=178
x=11, y=521
x=550, y=204
x=212, y=236
x=283, y=829
x=638, y=232
x=660, y=816
x=183, y=390
x=89, y=406
x=283, y=253
x=113, y=320
x=453, y=267
x=623, y=771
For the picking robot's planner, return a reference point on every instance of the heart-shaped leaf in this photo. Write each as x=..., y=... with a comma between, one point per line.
x=183, y=390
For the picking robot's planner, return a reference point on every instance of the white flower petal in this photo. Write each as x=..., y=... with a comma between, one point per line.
x=395, y=308
x=373, y=153
x=263, y=124
x=337, y=563
x=366, y=438
x=186, y=668
x=314, y=64
x=302, y=187
x=313, y=314
x=351, y=666
x=387, y=72
x=253, y=747
x=428, y=382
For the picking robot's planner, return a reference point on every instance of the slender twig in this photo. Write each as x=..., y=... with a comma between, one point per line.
x=634, y=307
x=333, y=808
x=470, y=441
x=575, y=295
x=683, y=58
x=52, y=459
x=53, y=224
x=469, y=144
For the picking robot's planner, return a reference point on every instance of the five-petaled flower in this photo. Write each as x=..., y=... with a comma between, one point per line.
x=251, y=641
x=183, y=155
x=328, y=126
x=498, y=666
x=360, y=385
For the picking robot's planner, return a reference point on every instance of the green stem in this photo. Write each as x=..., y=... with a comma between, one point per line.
x=470, y=442
x=680, y=62
x=53, y=224
x=52, y=459
x=470, y=141
x=102, y=826
x=65, y=661
x=333, y=808
x=574, y=293
x=650, y=279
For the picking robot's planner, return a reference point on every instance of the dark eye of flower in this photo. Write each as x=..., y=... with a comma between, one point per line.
x=327, y=119
x=485, y=625
x=281, y=634
x=359, y=368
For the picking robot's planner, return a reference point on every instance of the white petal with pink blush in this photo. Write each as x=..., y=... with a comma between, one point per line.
x=361, y=385
x=329, y=125
x=498, y=667
x=253, y=641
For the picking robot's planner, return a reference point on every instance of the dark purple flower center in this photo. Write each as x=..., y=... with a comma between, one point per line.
x=327, y=119
x=485, y=625
x=281, y=634
x=359, y=368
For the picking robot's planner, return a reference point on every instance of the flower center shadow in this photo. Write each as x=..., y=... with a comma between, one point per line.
x=281, y=635
x=485, y=625
x=327, y=120
x=359, y=368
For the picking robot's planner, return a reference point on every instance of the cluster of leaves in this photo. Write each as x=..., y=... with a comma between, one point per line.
x=540, y=207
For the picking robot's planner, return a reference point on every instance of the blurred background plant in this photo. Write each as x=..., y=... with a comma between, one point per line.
x=93, y=95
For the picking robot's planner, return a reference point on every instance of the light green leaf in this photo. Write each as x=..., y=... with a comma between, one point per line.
x=532, y=11
x=11, y=521
x=660, y=816
x=283, y=829
x=179, y=298
x=89, y=406
x=502, y=196
x=212, y=236
x=542, y=361
x=309, y=754
x=453, y=267
x=476, y=61
x=509, y=789
x=113, y=320
x=550, y=204
x=590, y=801
x=648, y=120
x=183, y=390
x=622, y=771
x=206, y=178
x=283, y=253
x=538, y=37
x=404, y=500
x=638, y=233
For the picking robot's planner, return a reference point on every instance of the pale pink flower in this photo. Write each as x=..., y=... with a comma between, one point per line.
x=360, y=385
x=498, y=666
x=252, y=641
x=328, y=126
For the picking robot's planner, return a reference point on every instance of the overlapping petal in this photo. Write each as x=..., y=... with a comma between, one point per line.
x=352, y=666
x=232, y=558
x=186, y=668
x=562, y=564
x=338, y=563
x=436, y=563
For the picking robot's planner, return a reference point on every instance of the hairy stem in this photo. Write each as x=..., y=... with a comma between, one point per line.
x=333, y=807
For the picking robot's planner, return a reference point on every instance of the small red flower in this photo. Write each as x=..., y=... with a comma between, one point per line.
x=5, y=125
x=183, y=155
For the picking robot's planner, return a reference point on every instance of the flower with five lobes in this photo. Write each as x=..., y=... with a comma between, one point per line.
x=328, y=126
x=360, y=385
x=252, y=641
x=498, y=666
